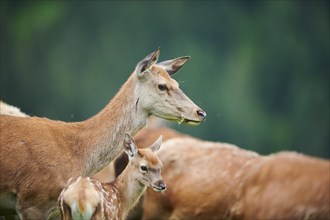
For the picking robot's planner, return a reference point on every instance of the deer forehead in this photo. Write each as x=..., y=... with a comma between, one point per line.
x=164, y=76
x=150, y=158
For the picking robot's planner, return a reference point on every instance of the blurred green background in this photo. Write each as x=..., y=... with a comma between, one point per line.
x=260, y=69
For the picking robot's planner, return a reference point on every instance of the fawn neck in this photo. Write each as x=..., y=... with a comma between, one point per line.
x=129, y=187
x=103, y=133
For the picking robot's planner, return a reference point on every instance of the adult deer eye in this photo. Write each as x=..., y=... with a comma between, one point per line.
x=144, y=168
x=162, y=87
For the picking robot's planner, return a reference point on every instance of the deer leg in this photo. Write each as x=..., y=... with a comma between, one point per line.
x=42, y=210
x=27, y=213
x=174, y=216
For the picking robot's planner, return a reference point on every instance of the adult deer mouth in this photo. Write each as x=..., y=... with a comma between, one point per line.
x=187, y=121
x=190, y=122
x=183, y=120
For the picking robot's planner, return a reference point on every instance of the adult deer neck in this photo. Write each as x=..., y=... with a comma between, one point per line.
x=103, y=134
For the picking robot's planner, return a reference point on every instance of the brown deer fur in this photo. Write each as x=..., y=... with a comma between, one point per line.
x=286, y=185
x=208, y=180
x=39, y=155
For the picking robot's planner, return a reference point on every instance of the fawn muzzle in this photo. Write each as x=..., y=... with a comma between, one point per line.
x=159, y=186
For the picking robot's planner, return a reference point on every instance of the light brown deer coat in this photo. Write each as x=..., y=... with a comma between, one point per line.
x=208, y=180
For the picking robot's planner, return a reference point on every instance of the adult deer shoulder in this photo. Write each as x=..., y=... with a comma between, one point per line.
x=87, y=198
x=39, y=155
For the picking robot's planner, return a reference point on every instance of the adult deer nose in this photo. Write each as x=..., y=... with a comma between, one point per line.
x=201, y=113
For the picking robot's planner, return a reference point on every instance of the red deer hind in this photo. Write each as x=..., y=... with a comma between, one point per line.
x=39, y=155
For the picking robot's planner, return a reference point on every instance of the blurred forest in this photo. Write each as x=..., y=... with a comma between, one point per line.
x=260, y=69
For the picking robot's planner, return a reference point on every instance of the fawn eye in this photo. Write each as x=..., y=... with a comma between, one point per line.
x=162, y=87
x=144, y=168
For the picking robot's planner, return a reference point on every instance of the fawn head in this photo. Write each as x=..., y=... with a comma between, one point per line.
x=145, y=163
x=161, y=95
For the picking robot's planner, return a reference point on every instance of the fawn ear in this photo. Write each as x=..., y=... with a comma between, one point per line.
x=156, y=145
x=172, y=66
x=146, y=63
x=130, y=146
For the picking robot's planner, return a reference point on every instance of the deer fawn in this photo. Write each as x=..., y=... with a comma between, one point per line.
x=87, y=198
x=39, y=155
x=143, y=138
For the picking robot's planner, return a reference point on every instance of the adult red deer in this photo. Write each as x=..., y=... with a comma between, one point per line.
x=87, y=198
x=39, y=155
x=208, y=180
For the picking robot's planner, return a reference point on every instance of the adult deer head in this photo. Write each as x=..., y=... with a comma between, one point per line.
x=164, y=97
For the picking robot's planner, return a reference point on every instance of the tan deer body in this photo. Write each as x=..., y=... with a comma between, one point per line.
x=286, y=185
x=210, y=180
x=202, y=178
x=39, y=155
x=87, y=198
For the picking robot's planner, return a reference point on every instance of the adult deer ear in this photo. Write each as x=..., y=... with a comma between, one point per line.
x=172, y=66
x=146, y=63
x=156, y=145
x=130, y=146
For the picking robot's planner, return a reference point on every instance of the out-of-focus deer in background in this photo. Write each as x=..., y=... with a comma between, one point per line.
x=210, y=180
